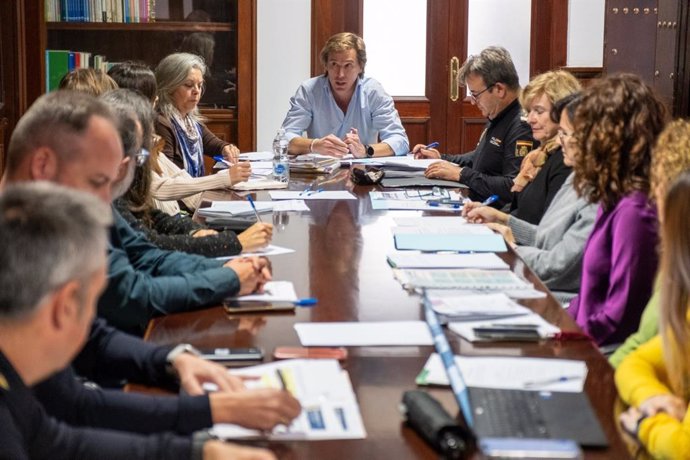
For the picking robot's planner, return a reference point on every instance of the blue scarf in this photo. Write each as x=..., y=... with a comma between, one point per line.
x=192, y=149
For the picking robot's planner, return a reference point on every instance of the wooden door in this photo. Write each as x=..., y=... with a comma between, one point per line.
x=443, y=114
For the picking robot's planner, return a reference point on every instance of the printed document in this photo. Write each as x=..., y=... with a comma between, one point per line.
x=323, y=388
x=534, y=374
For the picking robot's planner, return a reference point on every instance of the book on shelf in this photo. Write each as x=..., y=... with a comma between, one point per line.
x=125, y=11
x=59, y=62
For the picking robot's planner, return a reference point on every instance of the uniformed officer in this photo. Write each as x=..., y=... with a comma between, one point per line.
x=493, y=86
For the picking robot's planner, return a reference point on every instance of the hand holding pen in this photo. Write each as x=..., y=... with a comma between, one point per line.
x=482, y=213
x=426, y=151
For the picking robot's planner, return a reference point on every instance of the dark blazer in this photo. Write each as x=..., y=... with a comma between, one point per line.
x=144, y=281
x=28, y=432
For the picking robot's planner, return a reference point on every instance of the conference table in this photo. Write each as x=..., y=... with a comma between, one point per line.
x=340, y=259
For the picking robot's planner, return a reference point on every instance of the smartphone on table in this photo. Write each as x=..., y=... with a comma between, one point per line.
x=231, y=355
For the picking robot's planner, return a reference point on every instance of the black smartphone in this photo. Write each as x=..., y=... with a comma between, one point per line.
x=507, y=334
x=225, y=355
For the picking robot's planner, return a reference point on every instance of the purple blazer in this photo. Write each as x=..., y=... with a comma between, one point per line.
x=618, y=269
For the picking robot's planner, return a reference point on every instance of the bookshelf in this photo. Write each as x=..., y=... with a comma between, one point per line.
x=221, y=31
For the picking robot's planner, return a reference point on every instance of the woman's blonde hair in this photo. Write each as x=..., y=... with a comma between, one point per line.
x=671, y=154
x=89, y=80
x=675, y=293
x=556, y=85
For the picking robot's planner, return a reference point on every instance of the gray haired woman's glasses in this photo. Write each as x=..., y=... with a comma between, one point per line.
x=141, y=157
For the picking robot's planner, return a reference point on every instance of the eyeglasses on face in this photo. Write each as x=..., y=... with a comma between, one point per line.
x=141, y=157
x=563, y=136
x=475, y=96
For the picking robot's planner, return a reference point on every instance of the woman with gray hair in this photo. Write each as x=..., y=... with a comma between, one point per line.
x=180, y=79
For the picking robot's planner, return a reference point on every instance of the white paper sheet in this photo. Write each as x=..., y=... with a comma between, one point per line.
x=256, y=156
x=510, y=373
x=429, y=221
x=312, y=195
x=357, y=334
x=329, y=405
x=270, y=250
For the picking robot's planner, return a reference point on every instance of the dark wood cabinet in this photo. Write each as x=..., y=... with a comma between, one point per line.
x=649, y=37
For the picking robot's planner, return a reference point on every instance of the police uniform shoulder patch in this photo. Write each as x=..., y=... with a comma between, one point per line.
x=522, y=148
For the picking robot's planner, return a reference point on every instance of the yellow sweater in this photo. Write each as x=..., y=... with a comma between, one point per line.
x=641, y=375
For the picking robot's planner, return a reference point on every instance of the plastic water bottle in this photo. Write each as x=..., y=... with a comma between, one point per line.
x=281, y=167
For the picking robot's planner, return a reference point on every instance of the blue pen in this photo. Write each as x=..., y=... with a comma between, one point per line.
x=544, y=382
x=318, y=190
x=306, y=191
x=490, y=200
x=433, y=145
x=306, y=302
x=256, y=213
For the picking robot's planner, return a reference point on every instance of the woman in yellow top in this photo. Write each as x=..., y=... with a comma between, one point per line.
x=655, y=379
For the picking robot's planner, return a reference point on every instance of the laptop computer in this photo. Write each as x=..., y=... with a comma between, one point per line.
x=500, y=413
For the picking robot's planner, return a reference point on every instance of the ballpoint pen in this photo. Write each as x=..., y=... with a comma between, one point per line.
x=433, y=145
x=256, y=213
x=490, y=200
x=544, y=382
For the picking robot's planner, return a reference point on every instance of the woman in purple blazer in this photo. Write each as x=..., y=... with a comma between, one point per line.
x=616, y=126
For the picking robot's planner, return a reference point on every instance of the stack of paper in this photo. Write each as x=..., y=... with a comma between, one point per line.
x=314, y=164
x=329, y=405
x=535, y=374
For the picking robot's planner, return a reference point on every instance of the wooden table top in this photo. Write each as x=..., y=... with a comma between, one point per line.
x=340, y=258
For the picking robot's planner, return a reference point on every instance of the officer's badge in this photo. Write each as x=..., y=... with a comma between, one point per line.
x=496, y=141
x=522, y=148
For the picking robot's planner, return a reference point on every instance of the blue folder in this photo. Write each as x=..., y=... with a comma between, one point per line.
x=449, y=242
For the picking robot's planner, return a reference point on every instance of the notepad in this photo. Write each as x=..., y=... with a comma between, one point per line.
x=460, y=243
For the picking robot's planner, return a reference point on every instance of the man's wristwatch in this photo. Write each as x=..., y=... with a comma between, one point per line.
x=369, y=150
x=177, y=351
